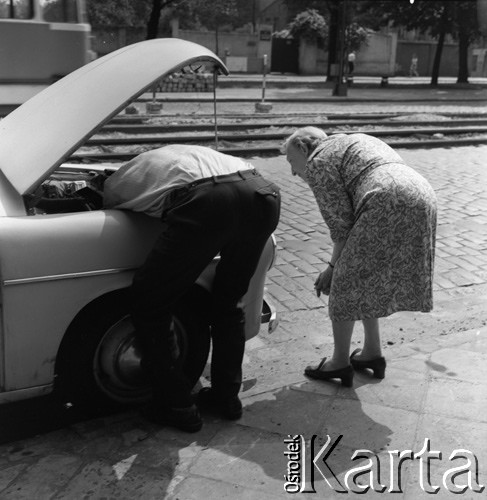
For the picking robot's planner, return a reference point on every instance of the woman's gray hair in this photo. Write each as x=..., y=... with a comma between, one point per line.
x=305, y=137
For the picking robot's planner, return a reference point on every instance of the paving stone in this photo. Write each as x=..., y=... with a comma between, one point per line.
x=370, y=426
x=421, y=490
x=196, y=488
x=443, y=434
x=296, y=305
x=276, y=412
x=459, y=364
x=278, y=293
x=98, y=479
x=400, y=389
x=248, y=456
x=9, y=474
x=43, y=479
x=457, y=399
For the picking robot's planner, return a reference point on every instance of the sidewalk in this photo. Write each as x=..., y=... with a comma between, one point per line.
x=434, y=393
x=240, y=87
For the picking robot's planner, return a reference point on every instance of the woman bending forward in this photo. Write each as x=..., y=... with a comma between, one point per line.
x=382, y=220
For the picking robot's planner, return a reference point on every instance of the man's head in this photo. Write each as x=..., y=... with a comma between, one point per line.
x=299, y=145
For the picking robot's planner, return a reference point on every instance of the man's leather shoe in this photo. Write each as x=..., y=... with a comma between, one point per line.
x=229, y=408
x=186, y=419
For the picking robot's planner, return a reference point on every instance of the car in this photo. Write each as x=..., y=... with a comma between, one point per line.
x=66, y=264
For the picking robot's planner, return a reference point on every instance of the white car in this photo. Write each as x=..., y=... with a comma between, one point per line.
x=65, y=268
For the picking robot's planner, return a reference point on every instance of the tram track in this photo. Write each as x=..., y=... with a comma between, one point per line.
x=246, y=135
x=325, y=124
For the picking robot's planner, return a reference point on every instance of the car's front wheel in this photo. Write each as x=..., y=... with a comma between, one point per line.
x=98, y=363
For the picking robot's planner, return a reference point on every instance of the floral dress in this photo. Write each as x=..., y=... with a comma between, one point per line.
x=386, y=212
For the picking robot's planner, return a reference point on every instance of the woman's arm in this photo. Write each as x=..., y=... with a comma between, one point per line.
x=337, y=250
x=323, y=282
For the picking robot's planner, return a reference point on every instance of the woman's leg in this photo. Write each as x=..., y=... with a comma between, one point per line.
x=372, y=347
x=342, y=336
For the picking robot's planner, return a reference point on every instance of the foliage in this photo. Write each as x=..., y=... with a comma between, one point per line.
x=355, y=37
x=294, y=7
x=426, y=16
x=310, y=25
x=201, y=14
x=247, y=12
x=197, y=14
x=111, y=13
x=438, y=18
x=134, y=13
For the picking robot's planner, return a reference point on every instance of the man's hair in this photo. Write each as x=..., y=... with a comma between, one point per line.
x=307, y=137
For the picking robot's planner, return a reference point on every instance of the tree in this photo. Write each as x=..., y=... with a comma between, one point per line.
x=310, y=25
x=467, y=30
x=111, y=13
x=155, y=16
x=438, y=18
x=134, y=13
x=213, y=15
x=355, y=37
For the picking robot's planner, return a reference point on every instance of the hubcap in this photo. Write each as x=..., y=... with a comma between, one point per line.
x=117, y=362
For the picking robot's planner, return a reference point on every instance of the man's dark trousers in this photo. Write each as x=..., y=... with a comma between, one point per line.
x=233, y=215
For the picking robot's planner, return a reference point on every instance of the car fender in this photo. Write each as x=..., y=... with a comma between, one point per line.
x=52, y=266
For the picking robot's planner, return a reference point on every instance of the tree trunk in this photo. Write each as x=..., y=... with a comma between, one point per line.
x=439, y=46
x=462, y=56
x=436, y=63
x=333, y=34
x=216, y=40
x=153, y=24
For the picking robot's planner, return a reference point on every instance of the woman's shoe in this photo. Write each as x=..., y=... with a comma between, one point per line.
x=378, y=365
x=344, y=374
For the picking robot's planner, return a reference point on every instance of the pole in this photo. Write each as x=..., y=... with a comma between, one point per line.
x=341, y=87
x=215, y=81
x=263, y=77
x=263, y=107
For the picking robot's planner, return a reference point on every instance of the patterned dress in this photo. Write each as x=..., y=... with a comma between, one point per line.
x=386, y=212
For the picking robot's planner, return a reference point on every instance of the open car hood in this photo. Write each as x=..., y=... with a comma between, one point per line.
x=39, y=135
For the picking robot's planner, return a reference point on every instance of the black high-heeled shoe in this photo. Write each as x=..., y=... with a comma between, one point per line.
x=344, y=374
x=378, y=365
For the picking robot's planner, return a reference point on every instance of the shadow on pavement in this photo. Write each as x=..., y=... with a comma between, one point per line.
x=28, y=418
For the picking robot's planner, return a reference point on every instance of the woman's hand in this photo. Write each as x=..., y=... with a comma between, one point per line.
x=323, y=282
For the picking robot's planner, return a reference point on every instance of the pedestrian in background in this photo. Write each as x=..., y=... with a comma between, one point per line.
x=413, y=69
x=382, y=220
x=209, y=203
x=351, y=63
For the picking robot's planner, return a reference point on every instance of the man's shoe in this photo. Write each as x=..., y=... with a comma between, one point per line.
x=229, y=408
x=186, y=419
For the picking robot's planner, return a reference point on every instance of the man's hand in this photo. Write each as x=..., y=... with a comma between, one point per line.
x=323, y=282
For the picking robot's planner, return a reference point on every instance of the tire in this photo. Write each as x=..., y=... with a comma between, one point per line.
x=98, y=362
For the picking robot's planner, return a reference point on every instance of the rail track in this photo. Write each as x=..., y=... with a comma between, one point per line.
x=246, y=135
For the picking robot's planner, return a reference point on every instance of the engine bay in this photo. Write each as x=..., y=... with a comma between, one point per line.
x=69, y=190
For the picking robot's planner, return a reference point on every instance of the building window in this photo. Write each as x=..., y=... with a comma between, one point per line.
x=59, y=11
x=16, y=9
